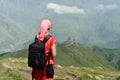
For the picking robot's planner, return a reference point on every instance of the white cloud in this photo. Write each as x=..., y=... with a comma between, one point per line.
x=62, y=9
x=104, y=7
x=100, y=6
x=114, y=6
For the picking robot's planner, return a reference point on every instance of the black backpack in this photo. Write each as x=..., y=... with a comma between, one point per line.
x=36, y=54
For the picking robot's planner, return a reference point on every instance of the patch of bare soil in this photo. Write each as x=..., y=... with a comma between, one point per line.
x=26, y=74
x=7, y=65
x=71, y=76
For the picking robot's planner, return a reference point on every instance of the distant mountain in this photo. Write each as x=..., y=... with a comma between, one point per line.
x=112, y=44
x=111, y=55
x=91, y=23
x=12, y=37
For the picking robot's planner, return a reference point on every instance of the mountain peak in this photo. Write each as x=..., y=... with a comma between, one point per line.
x=12, y=36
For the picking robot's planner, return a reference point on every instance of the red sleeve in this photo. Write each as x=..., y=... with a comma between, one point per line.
x=52, y=40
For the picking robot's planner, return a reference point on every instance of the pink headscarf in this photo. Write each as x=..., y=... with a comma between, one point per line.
x=45, y=25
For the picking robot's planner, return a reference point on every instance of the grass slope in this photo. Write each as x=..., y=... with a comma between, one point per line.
x=111, y=55
x=73, y=62
x=71, y=53
x=17, y=69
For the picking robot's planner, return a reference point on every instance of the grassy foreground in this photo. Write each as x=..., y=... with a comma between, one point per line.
x=17, y=69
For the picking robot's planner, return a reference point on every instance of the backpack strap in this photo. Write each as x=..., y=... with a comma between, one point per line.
x=46, y=39
x=48, y=57
x=49, y=54
x=32, y=73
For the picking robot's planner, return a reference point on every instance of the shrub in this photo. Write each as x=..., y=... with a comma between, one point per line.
x=118, y=78
x=13, y=75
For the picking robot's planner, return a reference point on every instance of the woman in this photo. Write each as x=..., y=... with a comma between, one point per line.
x=49, y=45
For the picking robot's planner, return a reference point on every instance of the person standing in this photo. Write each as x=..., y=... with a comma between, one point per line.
x=50, y=48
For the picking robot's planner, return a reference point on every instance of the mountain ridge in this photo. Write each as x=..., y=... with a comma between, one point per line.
x=97, y=25
x=12, y=36
x=71, y=53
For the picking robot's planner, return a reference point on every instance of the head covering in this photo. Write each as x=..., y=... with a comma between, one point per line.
x=45, y=25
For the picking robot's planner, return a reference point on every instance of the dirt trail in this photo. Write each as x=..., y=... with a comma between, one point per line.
x=7, y=65
x=26, y=74
x=72, y=76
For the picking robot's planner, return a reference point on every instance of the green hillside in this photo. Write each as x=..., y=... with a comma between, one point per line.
x=71, y=53
x=73, y=62
x=111, y=55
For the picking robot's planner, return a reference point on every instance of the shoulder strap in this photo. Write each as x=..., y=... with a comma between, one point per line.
x=47, y=38
x=48, y=57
